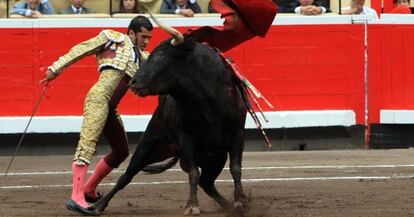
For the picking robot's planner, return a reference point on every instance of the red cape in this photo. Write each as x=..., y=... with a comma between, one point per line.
x=243, y=19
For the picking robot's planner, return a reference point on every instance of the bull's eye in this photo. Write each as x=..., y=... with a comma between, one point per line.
x=158, y=57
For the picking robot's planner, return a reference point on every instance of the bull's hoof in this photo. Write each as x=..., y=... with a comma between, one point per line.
x=241, y=207
x=73, y=206
x=194, y=211
x=100, y=205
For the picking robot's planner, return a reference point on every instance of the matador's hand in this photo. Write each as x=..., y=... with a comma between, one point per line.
x=49, y=75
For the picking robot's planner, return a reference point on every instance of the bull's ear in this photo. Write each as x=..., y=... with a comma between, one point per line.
x=190, y=39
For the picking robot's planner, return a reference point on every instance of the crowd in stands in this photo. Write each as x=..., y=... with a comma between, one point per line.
x=187, y=8
x=304, y=7
x=76, y=7
x=315, y=7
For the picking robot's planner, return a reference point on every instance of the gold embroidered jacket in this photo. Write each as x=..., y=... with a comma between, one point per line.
x=111, y=48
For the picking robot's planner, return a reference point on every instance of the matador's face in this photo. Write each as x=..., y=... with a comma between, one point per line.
x=143, y=38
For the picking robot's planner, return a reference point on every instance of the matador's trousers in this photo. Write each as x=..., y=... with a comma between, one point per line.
x=101, y=116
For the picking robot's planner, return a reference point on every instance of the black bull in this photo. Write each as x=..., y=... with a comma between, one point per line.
x=200, y=120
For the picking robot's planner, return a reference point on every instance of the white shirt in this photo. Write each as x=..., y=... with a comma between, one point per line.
x=365, y=11
x=297, y=9
x=179, y=8
x=74, y=9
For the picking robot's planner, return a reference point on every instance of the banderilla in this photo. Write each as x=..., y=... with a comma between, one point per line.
x=27, y=126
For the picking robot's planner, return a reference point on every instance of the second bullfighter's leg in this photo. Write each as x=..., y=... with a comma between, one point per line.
x=188, y=159
x=209, y=174
x=236, y=152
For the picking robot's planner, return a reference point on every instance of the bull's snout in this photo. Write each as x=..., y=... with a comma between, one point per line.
x=137, y=87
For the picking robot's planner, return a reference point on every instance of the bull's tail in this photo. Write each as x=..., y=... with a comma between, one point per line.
x=159, y=168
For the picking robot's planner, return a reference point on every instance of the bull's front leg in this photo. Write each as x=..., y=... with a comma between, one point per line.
x=136, y=164
x=189, y=164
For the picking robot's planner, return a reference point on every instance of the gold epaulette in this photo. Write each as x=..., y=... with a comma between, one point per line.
x=113, y=35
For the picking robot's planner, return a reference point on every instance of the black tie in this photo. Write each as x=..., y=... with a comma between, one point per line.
x=77, y=11
x=137, y=56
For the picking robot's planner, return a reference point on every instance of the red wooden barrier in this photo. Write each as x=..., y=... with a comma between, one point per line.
x=299, y=69
x=391, y=75
x=288, y=66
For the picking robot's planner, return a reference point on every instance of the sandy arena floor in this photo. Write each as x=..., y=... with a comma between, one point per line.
x=366, y=183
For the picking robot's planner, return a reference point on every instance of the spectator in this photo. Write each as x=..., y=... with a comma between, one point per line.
x=402, y=7
x=118, y=56
x=76, y=8
x=210, y=9
x=33, y=8
x=128, y=7
x=186, y=8
x=357, y=7
x=283, y=5
x=306, y=7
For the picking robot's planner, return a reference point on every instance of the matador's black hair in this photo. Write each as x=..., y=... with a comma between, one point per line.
x=138, y=22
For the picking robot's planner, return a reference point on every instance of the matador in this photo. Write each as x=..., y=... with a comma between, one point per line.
x=118, y=56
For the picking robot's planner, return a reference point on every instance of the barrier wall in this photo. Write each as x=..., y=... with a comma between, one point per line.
x=391, y=76
x=312, y=69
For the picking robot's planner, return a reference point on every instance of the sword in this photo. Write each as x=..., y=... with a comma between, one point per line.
x=27, y=126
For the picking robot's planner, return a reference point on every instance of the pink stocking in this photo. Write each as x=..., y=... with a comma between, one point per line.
x=79, y=175
x=101, y=171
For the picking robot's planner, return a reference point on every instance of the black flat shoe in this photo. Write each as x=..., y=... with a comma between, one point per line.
x=90, y=199
x=73, y=206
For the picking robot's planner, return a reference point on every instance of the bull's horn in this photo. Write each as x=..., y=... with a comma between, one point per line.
x=178, y=37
